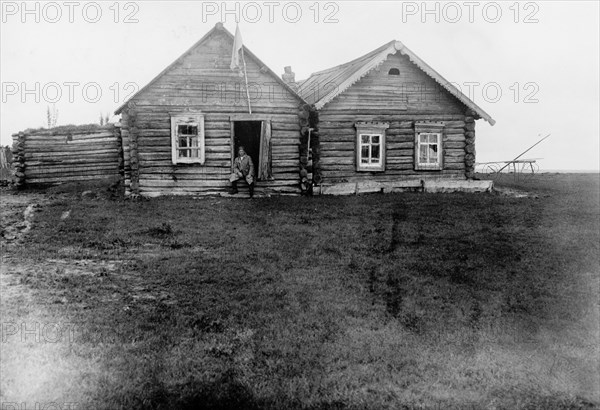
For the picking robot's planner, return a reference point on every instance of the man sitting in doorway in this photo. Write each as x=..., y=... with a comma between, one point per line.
x=243, y=168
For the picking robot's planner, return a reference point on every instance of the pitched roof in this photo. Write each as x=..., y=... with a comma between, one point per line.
x=217, y=28
x=345, y=75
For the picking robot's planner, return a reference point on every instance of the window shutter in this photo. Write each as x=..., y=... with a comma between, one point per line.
x=265, y=172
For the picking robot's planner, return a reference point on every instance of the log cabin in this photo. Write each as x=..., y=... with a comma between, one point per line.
x=388, y=121
x=385, y=121
x=180, y=132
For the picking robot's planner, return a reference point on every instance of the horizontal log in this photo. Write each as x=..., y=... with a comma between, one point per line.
x=399, y=160
x=69, y=169
x=344, y=115
x=454, y=166
x=70, y=148
x=399, y=145
x=337, y=154
x=207, y=163
x=72, y=136
x=454, y=144
x=336, y=161
x=74, y=161
x=388, y=175
x=71, y=154
x=279, y=126
x=400, y=131
x=285, y=149
x=391, y=153
x=163, y=105
x=454, y=153
x=454, y=138
x=204, y=183
x=285, y=163
x=72, y=178
x=337, y=145
x=153, y=193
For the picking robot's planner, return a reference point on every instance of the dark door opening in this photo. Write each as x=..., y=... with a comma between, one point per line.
x=247, y=134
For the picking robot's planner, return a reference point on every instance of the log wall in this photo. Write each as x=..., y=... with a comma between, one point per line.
x=400, y=100
x=66, y=154
x=203, y=82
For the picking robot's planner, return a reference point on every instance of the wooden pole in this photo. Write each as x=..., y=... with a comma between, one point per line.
x=246, y=78
x=523, y=153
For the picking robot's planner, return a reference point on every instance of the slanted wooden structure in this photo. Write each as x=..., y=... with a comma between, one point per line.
x=388, y=121
x=181, y=131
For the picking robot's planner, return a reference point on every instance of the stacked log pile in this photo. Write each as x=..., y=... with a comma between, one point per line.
x=66, y=154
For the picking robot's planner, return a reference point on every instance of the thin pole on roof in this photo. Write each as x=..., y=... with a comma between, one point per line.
x=246, y=78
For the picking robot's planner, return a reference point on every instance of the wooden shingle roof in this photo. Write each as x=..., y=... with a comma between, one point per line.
x=323, y=86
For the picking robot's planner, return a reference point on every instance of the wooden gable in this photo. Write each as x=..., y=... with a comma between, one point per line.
x=202, y=76
x=409, y=91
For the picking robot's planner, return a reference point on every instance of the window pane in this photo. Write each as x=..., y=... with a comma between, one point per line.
x=183, y=142
x=194, y=153
x=433, y=138
x=194, y=142
x=187, y=130
x=423, y=137
x=364, y=153
x=184, y=153
x=375, y=139
x=433, y=154
x=423, y=154
x=375, y=153
x=364, y=138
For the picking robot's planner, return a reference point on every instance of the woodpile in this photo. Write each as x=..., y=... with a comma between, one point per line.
x=66, y=154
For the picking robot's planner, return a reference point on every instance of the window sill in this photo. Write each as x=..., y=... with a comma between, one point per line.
x=371, y=169
x=426, y=168
x=188, y=163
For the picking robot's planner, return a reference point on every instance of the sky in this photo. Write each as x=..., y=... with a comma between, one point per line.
x=533, y=66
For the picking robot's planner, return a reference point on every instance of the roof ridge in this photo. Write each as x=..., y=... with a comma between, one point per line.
x=345, y=75
x=381, y=48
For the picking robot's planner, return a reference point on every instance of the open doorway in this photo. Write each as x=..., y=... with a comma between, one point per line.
x=247, y=134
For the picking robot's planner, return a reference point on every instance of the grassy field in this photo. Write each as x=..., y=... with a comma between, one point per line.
x=399, y=301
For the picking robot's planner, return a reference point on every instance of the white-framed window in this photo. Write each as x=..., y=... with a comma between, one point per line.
x=428, y=150
x=370, y=146
x=187, y=138
x=370, y=150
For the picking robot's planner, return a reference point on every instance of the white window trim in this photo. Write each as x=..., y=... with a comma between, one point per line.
x=373, y=165
x=440, y=151
x=370, y=128
x=190, y=119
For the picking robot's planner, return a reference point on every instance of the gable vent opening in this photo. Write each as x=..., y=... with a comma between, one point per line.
x=394, y=71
